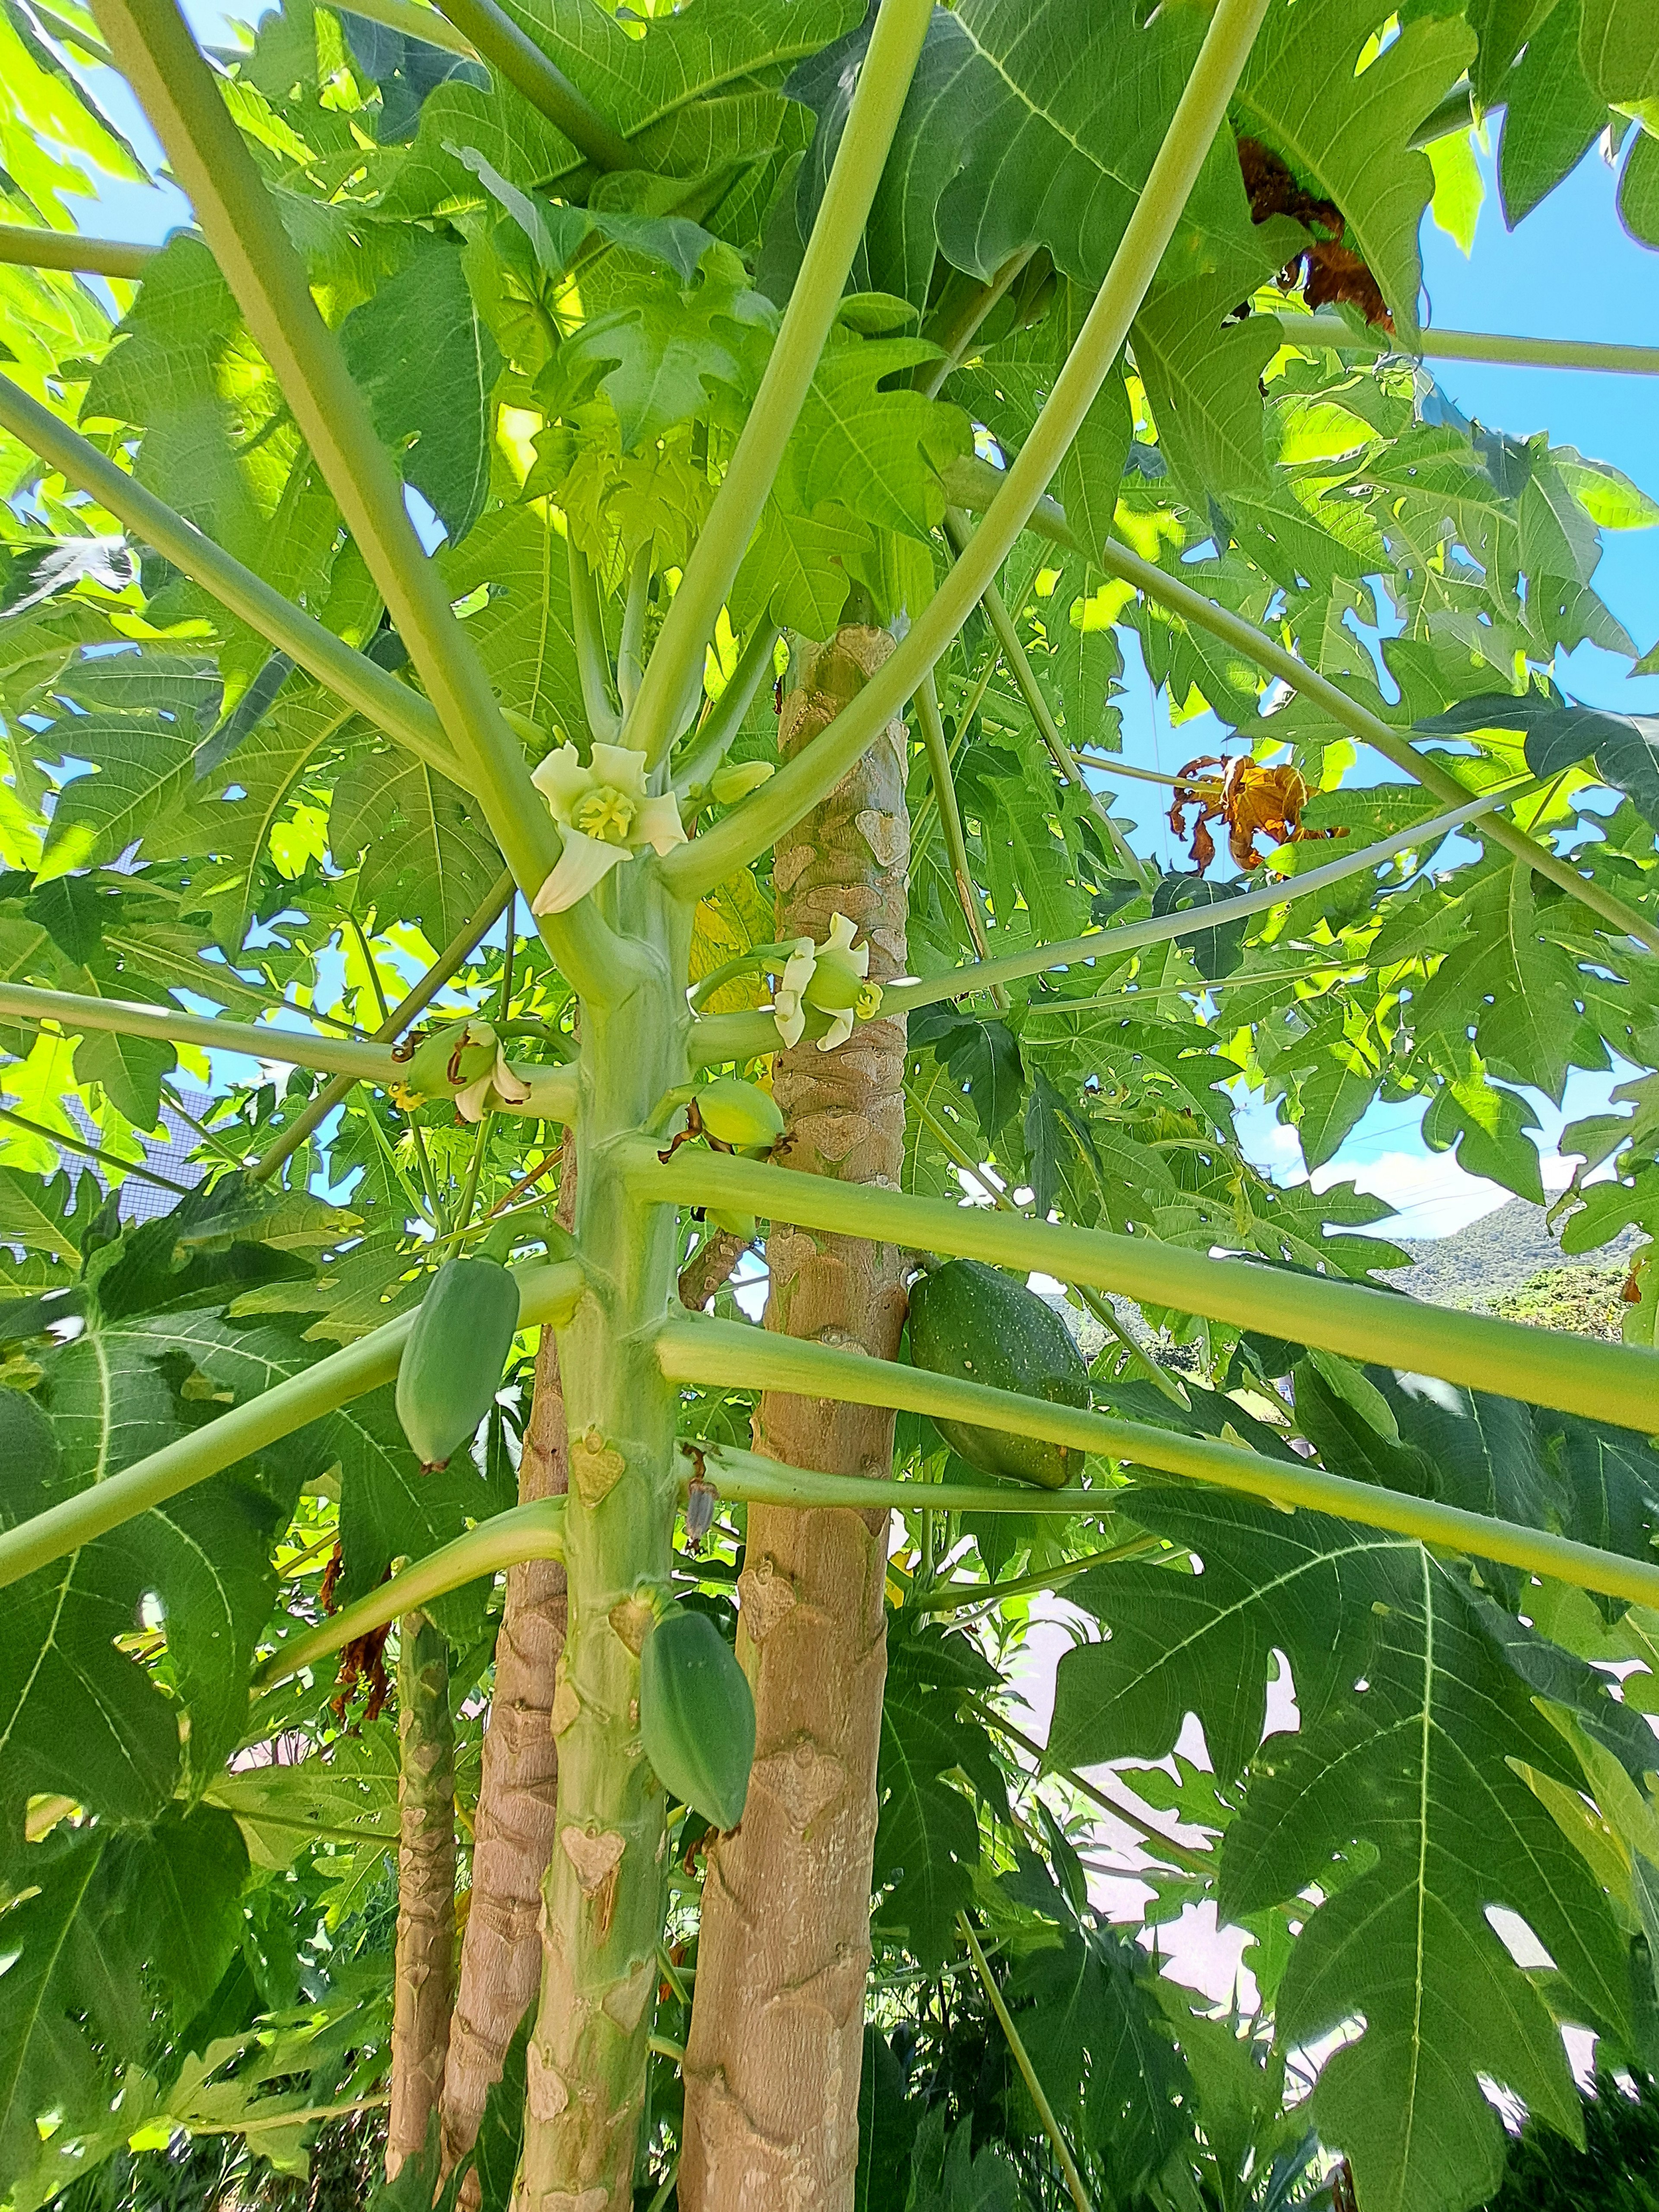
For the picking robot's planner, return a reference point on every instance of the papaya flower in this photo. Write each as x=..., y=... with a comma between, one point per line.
x=496, y=1087
x=606, y=816
x=831, y=979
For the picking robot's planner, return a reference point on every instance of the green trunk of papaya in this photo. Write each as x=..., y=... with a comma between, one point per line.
x=426, y=1889
x=604, y=1897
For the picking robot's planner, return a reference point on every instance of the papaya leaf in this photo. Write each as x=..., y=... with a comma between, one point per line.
x=1347, y=129
x=428, y=368
x=1404, y=1695
x=1560, y=734
x=926, y=1835
x=109, y=1921
x=1552, y=113
x=983, y=1059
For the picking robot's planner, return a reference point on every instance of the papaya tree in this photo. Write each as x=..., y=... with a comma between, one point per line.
x=577, y=620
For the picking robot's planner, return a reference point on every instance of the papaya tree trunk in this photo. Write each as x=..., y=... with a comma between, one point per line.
x=772, y=2070
x=426, y=1888
x=606, y=1884
x=518, y=1786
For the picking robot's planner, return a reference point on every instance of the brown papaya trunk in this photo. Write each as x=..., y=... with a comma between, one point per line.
x=518, y=1786
x=772, y=2070
x=426, y=1888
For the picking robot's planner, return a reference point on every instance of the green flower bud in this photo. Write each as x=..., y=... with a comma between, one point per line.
x=737, y=779
x=444, y=1063
x=739, y=1114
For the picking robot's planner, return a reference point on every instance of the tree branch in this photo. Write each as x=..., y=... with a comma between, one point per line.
x=696, y=868
x=1577, y=1375
x=547, y=1292
x=676, y=664
x=552, y=1090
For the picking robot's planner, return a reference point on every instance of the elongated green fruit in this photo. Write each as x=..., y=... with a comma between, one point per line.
x=970, y=1320
x=452, y=1365
x=697, y=1715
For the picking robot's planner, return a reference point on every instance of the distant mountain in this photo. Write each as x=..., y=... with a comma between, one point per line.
x=1487, y=1262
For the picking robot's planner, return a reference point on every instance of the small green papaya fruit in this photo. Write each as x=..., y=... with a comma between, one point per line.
x=697, y=1715
x=452, y=1365
x=972, y=1320
x=739, y=1114
x=733, y=1222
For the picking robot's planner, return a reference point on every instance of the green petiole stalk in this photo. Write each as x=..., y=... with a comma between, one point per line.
x=949, y=814
x=718, y=733
x=1492, y=346
x=1099, y=1307
x=592, y=657
x=956, y=1597
x=695, y=1349
x=1576, y=1374
x=1045, y=2113
x=74, y=253
x=1135, y=936
x=545, y=1293
x=1019, y=661
x=552, y=1090
x=525, y=1531
x=676, y=665
x=696, y=869
x=416, y=21
x=409, y=1010
x=88, y=1150
x=496, y=39
x=720, y=1038
x=351, y=676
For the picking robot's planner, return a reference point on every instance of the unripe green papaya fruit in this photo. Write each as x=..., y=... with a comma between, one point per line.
x=739, y=1114
x=972, y=1320
x=697, y=1715
x=452, y=1365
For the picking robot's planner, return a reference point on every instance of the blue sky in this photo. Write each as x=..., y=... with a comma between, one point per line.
x=1569, y=271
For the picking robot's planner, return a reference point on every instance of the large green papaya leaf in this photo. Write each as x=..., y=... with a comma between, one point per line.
x=1399, y=1795
x=107, y=1926
x=1317, y=91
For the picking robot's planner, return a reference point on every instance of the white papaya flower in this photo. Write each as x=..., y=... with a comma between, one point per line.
x=606, y=816
x=497, y=1086
x=831, y=979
